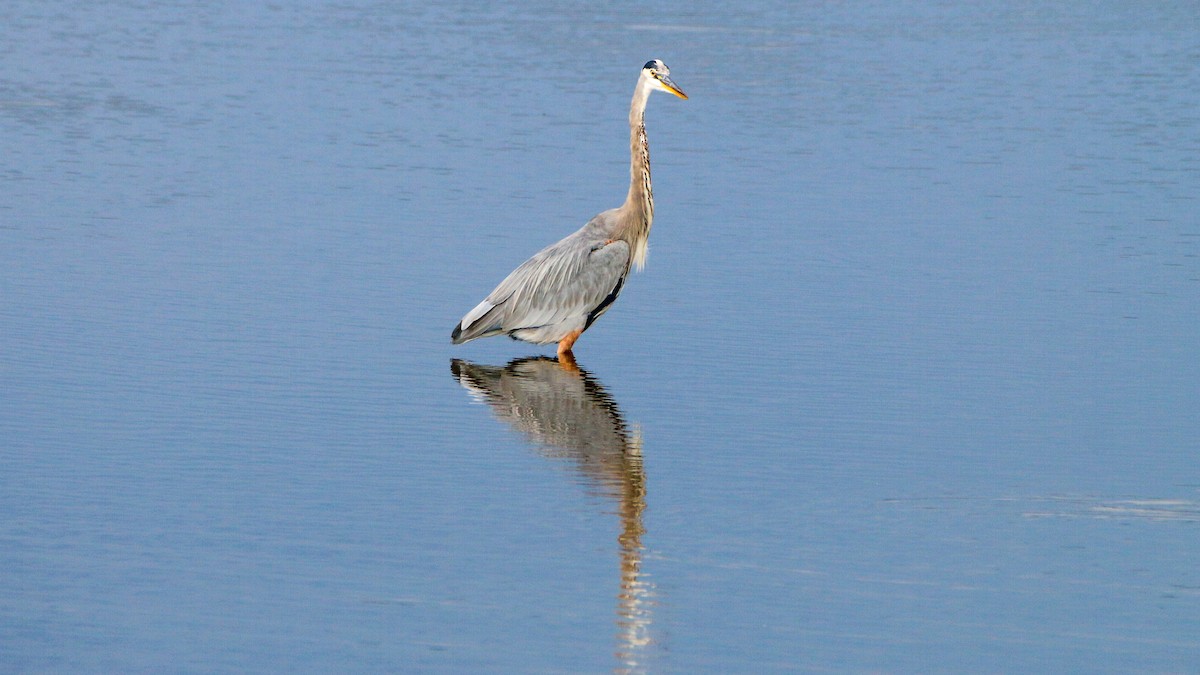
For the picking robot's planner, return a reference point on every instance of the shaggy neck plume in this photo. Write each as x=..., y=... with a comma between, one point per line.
x=638, y=209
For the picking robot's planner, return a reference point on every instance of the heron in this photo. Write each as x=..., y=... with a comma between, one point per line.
x=560, y=292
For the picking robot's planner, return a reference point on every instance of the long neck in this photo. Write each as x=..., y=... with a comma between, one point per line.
x=638, y=210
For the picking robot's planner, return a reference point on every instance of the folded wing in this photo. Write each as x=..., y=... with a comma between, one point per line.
x=562, y=288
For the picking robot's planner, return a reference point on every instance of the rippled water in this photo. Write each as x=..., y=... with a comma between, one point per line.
x=908, y=385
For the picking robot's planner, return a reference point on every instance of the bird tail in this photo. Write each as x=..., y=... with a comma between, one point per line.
x=479, y=322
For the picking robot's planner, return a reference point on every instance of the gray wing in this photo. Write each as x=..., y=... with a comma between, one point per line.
x=563, y=287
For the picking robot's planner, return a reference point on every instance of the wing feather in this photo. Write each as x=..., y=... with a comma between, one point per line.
x=561, y=285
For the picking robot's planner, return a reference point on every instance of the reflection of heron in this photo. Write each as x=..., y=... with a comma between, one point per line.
x=557, y=294
x=566, y=413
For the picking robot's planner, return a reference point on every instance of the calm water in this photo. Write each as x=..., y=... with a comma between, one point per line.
x=909, y=384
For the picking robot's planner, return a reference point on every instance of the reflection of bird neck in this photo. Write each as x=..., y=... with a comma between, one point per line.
x=637, y=213
x=633, y=494
x=634, y=602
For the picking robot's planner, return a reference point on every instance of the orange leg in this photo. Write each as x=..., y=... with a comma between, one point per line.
x=566, y=361
x=565, y=344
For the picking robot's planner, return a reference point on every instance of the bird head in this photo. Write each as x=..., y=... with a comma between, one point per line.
x=659, y=76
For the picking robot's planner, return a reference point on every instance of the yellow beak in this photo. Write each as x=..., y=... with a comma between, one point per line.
x=672, y=87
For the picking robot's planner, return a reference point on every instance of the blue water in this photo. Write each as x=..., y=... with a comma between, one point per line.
x=908, y=385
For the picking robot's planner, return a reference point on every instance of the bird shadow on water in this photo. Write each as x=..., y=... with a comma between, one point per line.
x=565, y=413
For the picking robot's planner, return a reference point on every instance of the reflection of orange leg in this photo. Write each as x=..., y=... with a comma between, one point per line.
x=565, y=344
x=566, y=361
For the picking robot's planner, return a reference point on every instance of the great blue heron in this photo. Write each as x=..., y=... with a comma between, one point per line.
x=557, y=294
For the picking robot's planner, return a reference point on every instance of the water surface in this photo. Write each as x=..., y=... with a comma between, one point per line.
x=908, y=385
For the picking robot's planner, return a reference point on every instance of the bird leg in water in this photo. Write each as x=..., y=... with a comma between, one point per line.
x=565, y=344
x=566, y=361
